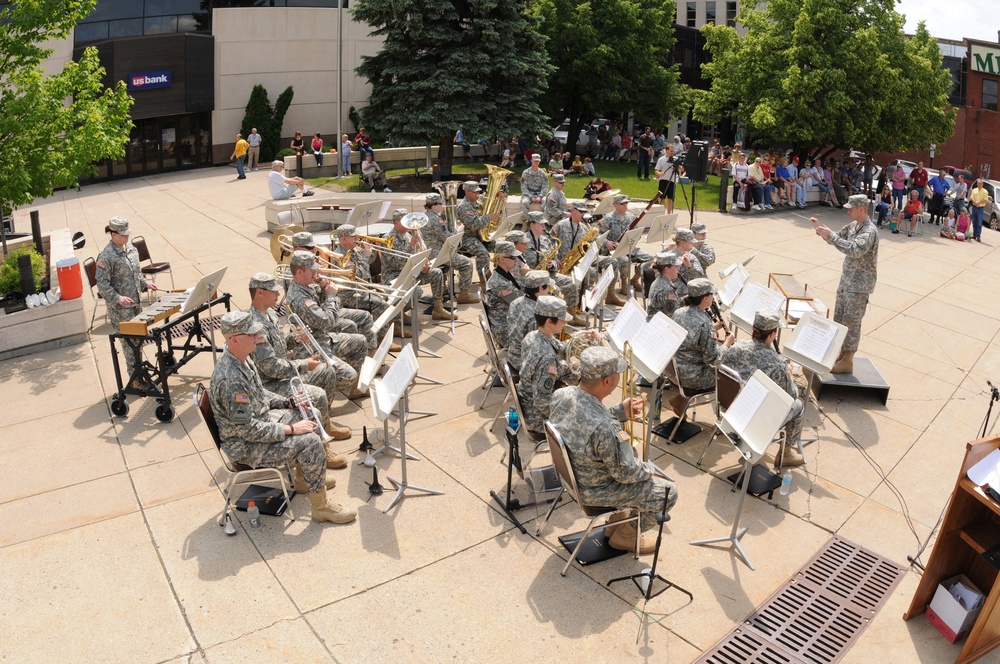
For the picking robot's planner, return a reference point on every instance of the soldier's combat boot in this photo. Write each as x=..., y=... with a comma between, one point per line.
x=844, y=364
x=439, y=312
x=324, y=510
x=465, y=297
x=624, y=540
x=334, y=460
x=299, y=481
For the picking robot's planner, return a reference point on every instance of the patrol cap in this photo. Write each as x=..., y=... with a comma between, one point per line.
x=536, y=217
x=700, y=287
x=622, y=198
x=579, y=205
x=346, y=229
x=515, y=237
x=264, y=280
x=767, y=320
x=302, y=259
x=433, y=199
x=504, y=248
x=303, y=239
x=536, y=157
x=551, y=307
x=472, y=186
x=399, y=213
x=666, y=258
x=559, y=177
x=239, y=322
x=698, y=228
x=683, y=235
x=119, y=225
x=857, y=200
x=536, y=279
x=599, y=362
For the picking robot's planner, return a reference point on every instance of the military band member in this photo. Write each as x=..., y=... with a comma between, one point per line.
x=502, y=289
x=617, y=223
x=520, y=241
x=120, y=280
x=534, y=184
x=604, y=463
x=683, y=244
x=748, y=355
x=521, y=315
x=663, y=295
x=434, y=234
x=276, y=369
x=472, y=222
x=570, y=232
x=257, y=427
x=702, y=249
x=405, y=242
x=320, y=313
x=858, y=241
x=555, y=201
x=539, y=245
x=543, y=365
x=699, y=353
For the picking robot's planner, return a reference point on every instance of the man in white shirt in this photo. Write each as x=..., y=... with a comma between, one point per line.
x=373, y=174
x=282, y=187
x=664, y=171
x=740, y=172
x=756, y=180
x=253, y=154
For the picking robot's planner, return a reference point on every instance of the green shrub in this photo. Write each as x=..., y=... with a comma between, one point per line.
x=285, y=152
x=10, y=278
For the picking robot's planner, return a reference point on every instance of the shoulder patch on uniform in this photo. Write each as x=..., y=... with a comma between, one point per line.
x=553, y=369
x=239, y=397
x=672, y=297
x=506, y=291
x=622, y=436
x=102, y=265
x=310, y=303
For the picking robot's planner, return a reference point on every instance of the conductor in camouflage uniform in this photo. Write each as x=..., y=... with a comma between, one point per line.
x=534, y=184
x=321, y=318
x=276, y=369
x=472, y=222
x=606, y=468
x=858, y=241
x=120, y=281
x=435, y=233
x=663, y=295
x=521, y=315
x=538, y=246
x=699, y=354
x=403, y=244
x=554, y=208
x=543, y=365
x=257, y=427
x=748, y=355
x=617, y=223
x=502, y=290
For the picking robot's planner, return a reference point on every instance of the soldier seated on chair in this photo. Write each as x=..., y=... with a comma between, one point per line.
x=748, y=355
x=604, y=463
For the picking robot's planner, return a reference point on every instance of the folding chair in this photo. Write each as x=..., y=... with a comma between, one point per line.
x=90, y=268
x=152, y=269
x=727, y=386
x=495, y=370
x=238, y=473
x=691, y=397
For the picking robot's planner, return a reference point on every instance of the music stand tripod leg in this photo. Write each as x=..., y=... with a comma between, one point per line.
x=734, y=536
x=386, y=446
x=402, y=485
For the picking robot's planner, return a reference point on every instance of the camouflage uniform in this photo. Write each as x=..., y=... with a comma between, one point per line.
x=533, y=185
x=859, y=242
x=617, y=225
x=322, y=320
x=392, y=265
x=520, y=321
x=607, y=471
x=434, y=234
x=554, y=205
x=118, y=275
x=468, y=215
x=543, y=368
x=705, y=254
x=252, y=422
x=699, y=353
x=373, y=304
x=662, y=297
x=696, y=271
x=746, y=356
x=501, y=291
x=542, y=246
x=570, y=234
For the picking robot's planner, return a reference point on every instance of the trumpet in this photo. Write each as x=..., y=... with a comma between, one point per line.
x=630, y=383
x=302, y=401
x=306, y=338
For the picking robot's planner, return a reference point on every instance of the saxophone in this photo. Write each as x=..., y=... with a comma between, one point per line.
x=492, y=203
x=579, y=249
x=549, y=256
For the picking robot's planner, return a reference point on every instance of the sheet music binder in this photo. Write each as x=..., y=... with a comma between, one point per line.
x=653, y=342
x=594, y=297
x=770, y=405
x=387, y=391
x=448, y=249
x=731, y=289
x=662, y=228
x=269, y=500
x=627, y=244
x=800, y=346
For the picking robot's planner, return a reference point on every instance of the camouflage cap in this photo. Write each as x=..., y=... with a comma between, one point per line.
x=599, y=362
x=516, y=237
x=239, y=322
x=767, y=320
x=683, y=235
x=399, y=213
x=536, y=218
x=433, y=199
x=504, y=248
x=700, y=287
x=857, y=200
x=472, y=186
x=303, y=239
x=559, y=177
x=552, y=307
x=622, y=198
x=698, y=228
x=537, y=279
x=302, y=259
x=264, y=280
x=536, y=157
x=666, y=258
x=346, y=230
x=579, y=205
x=119, y=225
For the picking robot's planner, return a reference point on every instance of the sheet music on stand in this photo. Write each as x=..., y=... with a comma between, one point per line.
x=505, y=226
x=653, y=342
x=754, y=298
x=416, y=260
x=628, y=323
x=383, y=212
x=448, y=249
x=582, y=267
x=396, y=300
x=662, y=228
x=361, y=214
x=738, y=278
x=726, y=271
x=755, y=416
x=385, y=393
x=371, y=365
x=202, y=291
x=815, y=342
x=627, y=244
x=594, y=297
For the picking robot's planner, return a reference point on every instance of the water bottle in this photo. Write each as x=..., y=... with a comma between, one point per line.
x=253, y=514
x=786, y=482
x=512, y=420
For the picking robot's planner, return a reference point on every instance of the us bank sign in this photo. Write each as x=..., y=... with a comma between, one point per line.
x=149, y=80
x=985, y=60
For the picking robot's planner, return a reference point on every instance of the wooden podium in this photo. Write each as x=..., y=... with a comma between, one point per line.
x=971, y=526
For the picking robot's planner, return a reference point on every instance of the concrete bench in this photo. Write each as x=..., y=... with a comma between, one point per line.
x=387, y=158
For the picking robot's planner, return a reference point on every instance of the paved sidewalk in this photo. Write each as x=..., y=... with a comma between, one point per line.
x=108, y=535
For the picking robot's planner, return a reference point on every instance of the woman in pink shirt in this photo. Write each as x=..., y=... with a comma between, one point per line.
x=898, y=185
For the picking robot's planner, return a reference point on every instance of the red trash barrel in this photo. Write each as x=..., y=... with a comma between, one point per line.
x=70, y=281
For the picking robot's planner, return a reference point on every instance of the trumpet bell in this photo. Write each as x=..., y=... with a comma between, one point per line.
x=414, y=221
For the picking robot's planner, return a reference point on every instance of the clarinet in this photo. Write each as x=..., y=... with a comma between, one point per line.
x=716, y=315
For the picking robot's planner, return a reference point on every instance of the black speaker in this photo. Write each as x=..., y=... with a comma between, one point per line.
x=27, y=276
x=696, y=161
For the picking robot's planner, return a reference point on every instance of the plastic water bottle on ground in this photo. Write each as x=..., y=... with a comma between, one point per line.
x=253, y=515
x=786, y=482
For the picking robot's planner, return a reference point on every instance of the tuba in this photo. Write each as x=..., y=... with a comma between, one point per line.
x=449, y=192
x=492, y=203
x=579, y=249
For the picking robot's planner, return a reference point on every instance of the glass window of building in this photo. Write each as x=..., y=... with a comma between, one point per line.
x=692, y=14
x=991, y=90
x=731, y=13
x=710, y=12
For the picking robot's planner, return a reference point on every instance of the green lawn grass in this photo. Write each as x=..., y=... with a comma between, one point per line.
x=618, y=175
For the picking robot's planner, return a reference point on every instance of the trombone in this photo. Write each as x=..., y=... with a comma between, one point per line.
x=630, y=382
x=381, y=245
x=343, y=279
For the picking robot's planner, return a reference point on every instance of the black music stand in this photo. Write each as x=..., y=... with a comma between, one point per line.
x=511, y=504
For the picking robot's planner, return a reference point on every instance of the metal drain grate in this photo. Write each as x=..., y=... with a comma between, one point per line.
x=818, y=614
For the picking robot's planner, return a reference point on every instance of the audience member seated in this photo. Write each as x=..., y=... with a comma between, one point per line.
x=577, y=165
x=911, y=213
x=373, y=174
x=588, y=167
x=595, y=187
x=282, y=187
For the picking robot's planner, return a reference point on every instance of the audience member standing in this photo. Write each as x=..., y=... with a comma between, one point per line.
x=979, y=198
x=253, y=154
x=645, y=154
x=918, y=180
x=240, y=153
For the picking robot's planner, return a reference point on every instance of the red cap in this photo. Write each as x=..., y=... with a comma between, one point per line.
x=251, y=504
x=795, y=158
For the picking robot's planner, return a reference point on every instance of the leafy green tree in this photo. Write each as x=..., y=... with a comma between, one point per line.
x=53, y=128
x=267, y=119
x=475, y=64
x=825, y=74
x=610, y=56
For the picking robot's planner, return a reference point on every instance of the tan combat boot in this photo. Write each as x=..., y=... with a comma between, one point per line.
x=612, y=299
x=677, y=403
x=335, y=431
x=578, y=320
x=844, y=364
x=356, y=393
x=400, y=331
x=623, y=286
x=637, y=283
x=624, y=540
x=789, y=457
x=324, y=510
x=299, y=481
x=611, y=524
x=334, y=460
x=439, y=312
x=465, y=297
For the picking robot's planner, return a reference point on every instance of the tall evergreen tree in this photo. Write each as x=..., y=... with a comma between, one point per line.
x=268, y=119
x=475, y=64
